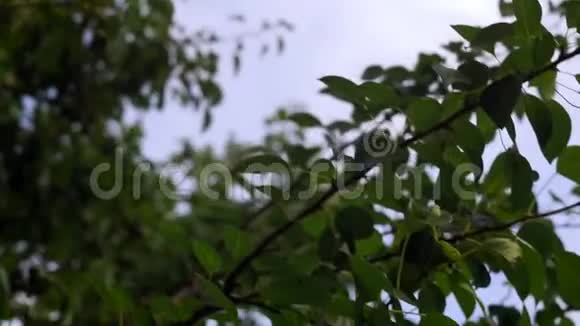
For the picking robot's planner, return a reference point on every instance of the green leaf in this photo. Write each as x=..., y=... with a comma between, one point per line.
x=316, y=223
x=543, y=49
x=371, y=246
x=262, y=163
x=238, y=242
x=119, y=298
x=423, y=250
x=513, y=170
x=328, y=245
x=509, y=249
x=528, y=275
x=207, y=256
x=382, y=190
x=449, y=199
x=568, y=163
x=451, y=76
x=506, y=9
x=342, y=88
x=469, y=33
x=546, y=84
x=465, y=297
x=523, y=178
x=424, y=113
x=312, y=289
x=525, y=318
x=372, y=72
x=452, y=103
x=572, y=10
x=166, y=310
x=529, y=16
x=489, y=36
x=476, y=73
x=486, y=126
x=511, y=129
x=561, y=131
x=479, y=273
x=542, y=236
x=567, y=267
x=450, y=251
x=304, y=120
x=437, y=320
x=534, y=266
x=354, y=223
x=565, y=322
x=540, y=118
x=578, y=78
x=4, y=283
x=341, y=126
x=285, y=317
x=369, y=278
x=379, y=316
x=378, y=96
x=214, y=294
x=431, y=299
x=506, y=316
x=499, y=99
x=470, y=139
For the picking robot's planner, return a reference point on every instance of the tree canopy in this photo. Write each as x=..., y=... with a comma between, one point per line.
x=379, y=222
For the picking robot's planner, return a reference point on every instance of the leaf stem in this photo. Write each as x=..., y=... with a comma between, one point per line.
x=402, y=263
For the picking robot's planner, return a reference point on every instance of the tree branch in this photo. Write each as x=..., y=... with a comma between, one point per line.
x=505, y=226
x=481, y=231
x=229, y=284
x=469, y=107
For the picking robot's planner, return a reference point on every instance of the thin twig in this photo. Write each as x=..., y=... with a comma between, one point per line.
x=568, y=87
x=567, y=101
x=505, y=226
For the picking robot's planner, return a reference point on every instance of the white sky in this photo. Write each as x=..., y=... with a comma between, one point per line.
x=337, y=37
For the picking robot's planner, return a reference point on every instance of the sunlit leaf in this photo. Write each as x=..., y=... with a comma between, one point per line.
x=509, y=249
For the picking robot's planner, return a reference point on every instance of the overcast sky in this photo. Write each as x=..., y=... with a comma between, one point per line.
x=337, y=37
x=331, y=37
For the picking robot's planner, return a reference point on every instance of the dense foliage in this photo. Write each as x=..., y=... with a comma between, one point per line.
x=392, y=212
